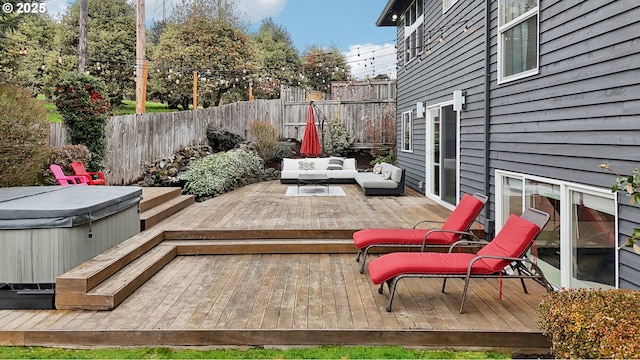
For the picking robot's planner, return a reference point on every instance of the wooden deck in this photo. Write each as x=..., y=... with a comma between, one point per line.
x=264, y=290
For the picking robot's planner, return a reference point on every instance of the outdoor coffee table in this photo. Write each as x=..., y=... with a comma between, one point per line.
x=313, y=179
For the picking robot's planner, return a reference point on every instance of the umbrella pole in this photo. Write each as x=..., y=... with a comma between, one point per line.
x=324, y=117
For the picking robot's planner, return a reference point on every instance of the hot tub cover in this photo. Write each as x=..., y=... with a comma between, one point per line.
x=38, y=207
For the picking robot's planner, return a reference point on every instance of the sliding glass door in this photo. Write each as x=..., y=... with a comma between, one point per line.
x=442, y=154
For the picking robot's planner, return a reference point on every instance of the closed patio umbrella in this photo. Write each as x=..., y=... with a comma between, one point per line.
x=310, y=143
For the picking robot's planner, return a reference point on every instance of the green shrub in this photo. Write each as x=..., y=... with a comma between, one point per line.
x=264, y=137
x=385, y=157
x=24, y=149
x=222, y=140
x=64, y=156
x=335, y=138
x=80, y=102
x=222, y=172
x=584, y=323
x=285, y=149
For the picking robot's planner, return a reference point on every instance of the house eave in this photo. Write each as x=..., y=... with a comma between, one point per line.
x=393, y=7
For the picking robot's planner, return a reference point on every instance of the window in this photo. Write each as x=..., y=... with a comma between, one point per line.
x=577, y=247
x=413, y=32
x=407, y=130
x=447, y=4
x=518, y=39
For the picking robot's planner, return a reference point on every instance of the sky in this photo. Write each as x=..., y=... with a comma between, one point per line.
x=349, y=25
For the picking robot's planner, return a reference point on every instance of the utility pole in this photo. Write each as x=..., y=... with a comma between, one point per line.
x=195, y=90
x=82, y=44
x=140, y=58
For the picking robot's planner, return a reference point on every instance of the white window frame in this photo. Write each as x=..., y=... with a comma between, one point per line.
x=502, y=28
x=565, y=201
x=413, y=30
x=447, y=4
x=407, y=116
x=429, y=155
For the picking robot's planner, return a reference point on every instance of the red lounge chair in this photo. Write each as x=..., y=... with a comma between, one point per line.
x=65, y=180
x=457, y=224
x=93, y=177
x=508, y=248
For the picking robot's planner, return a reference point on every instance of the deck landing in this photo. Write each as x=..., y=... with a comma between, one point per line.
x=215, y=291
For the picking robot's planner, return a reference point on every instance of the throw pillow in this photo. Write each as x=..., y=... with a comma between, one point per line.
x=377, y=168
x=387, y=174
x=305, y=165
x=335, y=164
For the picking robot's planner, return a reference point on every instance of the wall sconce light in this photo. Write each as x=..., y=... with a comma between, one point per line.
x=419, y=109
x=459, y=100
x=394, y=17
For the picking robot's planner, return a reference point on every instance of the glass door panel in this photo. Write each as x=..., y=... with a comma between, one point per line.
x=593, y=241
x=449, y=153
x=435, y=140
x=546, y=197
x=511, y=197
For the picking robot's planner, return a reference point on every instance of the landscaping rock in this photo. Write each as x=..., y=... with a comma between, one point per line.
x=164, y=172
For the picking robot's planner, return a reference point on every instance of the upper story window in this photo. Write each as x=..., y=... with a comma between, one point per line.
x=413, y=32
x=518, y=39
x=447, y=4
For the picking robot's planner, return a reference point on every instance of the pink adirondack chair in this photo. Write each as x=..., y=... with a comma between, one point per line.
x=65, y=180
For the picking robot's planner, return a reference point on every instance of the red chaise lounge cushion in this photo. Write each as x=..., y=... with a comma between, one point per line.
x=512, y=241
x=459, y=220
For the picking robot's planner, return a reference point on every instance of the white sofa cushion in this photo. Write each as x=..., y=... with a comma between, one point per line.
x=291, y=168
x=374, y=181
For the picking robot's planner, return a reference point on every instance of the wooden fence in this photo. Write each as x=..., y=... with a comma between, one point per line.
x=363, y=90
x=134, y=140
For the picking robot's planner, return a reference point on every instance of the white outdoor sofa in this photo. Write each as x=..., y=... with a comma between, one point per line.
x=388, y=181
x=291, y=168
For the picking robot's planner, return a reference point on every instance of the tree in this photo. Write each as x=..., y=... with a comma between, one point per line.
x=220, y=10
x=8, y=22
x=220, y=53
x=277, y=60
x=322, y=66
x=111, y=44
x=84, y=110
x=28, y=53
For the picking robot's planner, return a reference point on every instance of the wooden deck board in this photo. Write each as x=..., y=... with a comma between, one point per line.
x=271, y=298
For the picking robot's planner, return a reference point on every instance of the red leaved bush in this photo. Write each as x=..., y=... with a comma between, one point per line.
x=587, y=323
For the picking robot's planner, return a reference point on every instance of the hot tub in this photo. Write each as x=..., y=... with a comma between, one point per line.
x=46, y=231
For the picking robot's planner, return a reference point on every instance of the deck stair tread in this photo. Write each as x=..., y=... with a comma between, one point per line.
x=154, y=196
x=154, y=215
x=142, y=267
x=92, y=272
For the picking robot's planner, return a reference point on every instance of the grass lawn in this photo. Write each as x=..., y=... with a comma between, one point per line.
x=127, y=107
x=323, y=352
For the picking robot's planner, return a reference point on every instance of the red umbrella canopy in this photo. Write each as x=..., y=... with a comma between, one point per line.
x=310, y=143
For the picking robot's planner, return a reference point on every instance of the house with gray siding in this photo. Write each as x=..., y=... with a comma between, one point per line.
x=522, y=100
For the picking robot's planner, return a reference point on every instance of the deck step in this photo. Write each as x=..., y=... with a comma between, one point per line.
x=162, y=211
x=154, y=196
x=114, y=290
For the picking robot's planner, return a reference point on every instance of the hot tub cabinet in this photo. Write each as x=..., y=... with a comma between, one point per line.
x=46, y=231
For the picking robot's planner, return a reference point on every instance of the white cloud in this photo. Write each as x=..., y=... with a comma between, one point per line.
x=371, y=60
x=257, y=10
